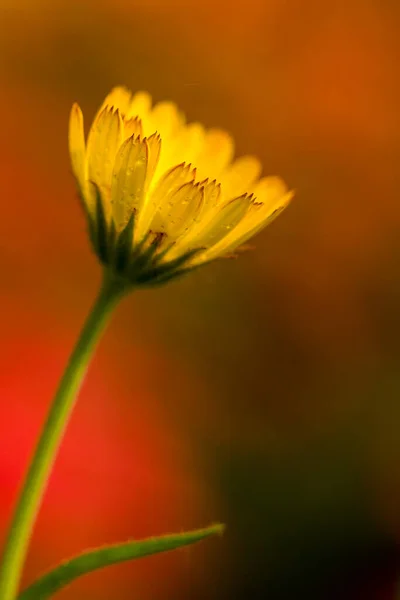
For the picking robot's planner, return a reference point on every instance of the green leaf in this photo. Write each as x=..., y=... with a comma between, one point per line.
x=168, y=268
x=123, y=246
x=100, y=225
x=91, y=560
x=141, y=258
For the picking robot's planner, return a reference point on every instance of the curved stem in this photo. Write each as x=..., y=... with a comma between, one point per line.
x=49, y=441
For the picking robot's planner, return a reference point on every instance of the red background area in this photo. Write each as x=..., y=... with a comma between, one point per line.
x=262, y=392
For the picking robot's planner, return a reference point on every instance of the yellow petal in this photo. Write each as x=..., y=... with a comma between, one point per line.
x=77, y=150
x=173, y=179
x=223, y=221
x=259, y=216
x=128, y=180
x=187, y=144
x=140, y=106
x=177, y=213
x=269, y=189
x=212, y=195
x=240, y=176
x=154, y=144
x=264, y=217
x=217, y=153
x=133, y=126
x=119, y=97
x=167, y=185
x=209, y=208
x=104, y=139
x=166, y=120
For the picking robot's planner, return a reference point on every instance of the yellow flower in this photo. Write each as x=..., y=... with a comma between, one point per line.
x=162, y=196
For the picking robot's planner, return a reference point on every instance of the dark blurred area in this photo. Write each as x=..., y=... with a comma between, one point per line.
x=262, y=392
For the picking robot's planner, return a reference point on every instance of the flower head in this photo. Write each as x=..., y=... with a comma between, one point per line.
x=162, y=196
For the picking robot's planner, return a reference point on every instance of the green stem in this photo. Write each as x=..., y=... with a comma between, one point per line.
x=49, y=441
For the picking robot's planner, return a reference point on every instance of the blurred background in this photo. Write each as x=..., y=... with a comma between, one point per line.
x=263, y=392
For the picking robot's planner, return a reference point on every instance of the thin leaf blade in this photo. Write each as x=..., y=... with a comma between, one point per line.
x=91, y=560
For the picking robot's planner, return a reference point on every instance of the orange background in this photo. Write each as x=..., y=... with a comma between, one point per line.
x=262, y=392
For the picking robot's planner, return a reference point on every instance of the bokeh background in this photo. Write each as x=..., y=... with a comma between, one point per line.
x=262, y=392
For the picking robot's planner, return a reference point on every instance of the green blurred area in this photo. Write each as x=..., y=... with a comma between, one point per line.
x=277, y=373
